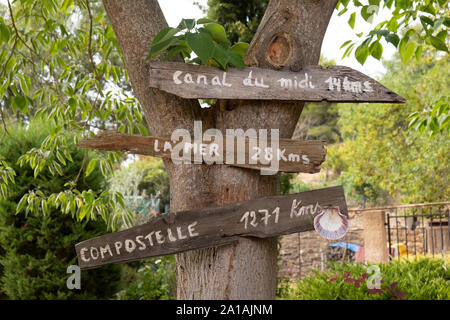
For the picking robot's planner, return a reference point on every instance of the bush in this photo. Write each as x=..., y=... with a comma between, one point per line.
x=35, y=250
x=422, y=279
x=155, y=280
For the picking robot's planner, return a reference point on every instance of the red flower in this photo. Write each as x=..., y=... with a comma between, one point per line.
x=375, y=291
x=349, y=280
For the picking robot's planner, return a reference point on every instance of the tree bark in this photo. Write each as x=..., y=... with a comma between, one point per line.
x=290, y=36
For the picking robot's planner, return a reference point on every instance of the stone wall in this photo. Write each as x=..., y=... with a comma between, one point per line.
x=301, y=253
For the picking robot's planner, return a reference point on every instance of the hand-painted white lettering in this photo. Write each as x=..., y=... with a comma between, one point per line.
x=203, y=78
x=297, y=210
x=176, y=74
x=118, y=246
x=170, y=236
x=159, y=237
x=305, y=159
x=332, y=83
x=188, y=78
x=142, y=245
x=104, y=250
x=368, y=86
x=266, y=216
x=305, y=83
x=261, y=83
x=130, y=245
x=292, y=157
x=83, y=257
x=155, y=147
x=191, y=230
x=224, y=80
x=149, y=238
x=281, y=155
x=180, y=234
x=167, y=146
x=248, y=81
x=96, y=255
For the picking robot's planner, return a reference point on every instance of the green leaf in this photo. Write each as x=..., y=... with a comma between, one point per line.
x=159, y=48
x=376, y=50
x=393, y=38
x=426, y=20
x=361, y=54
x=186, y=24
x=352, y=19
x=21, y=102
x=181, y=48
x=240, y=48
x=163, y=40
x=218, y=32
x=204, y=20
x=345, y=44
x=408, y=52
x=202, y=44
x=220, y=55
x=419, y=52
x=4, y=33
x=438, y=44
x=164, y=35
x=236, y=60
x=442, y=35
x=90, y=167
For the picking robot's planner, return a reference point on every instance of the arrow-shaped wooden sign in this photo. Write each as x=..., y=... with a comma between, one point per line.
x=245, y=152
x=312, y=83
x=210, y=227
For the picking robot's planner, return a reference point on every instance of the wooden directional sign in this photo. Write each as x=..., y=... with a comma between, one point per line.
x=210, y=227
x=312, y=83
x=292, y=155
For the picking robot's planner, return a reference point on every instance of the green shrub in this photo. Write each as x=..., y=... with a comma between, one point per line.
x=423, y=279
x=155, y=280
x=35, y=250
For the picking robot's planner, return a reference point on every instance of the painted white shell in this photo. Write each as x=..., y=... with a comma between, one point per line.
x=331, y=224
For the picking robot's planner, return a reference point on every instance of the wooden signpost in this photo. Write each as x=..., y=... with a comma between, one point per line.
x=262, y=218
x=312, y=83
x=293, y=155
x=209, y=227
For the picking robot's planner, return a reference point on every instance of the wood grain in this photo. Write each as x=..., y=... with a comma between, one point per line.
x=209, y=227
x=311, y=83
x=294, y=156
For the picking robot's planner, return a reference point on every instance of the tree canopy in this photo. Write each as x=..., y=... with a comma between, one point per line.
x=380, y=157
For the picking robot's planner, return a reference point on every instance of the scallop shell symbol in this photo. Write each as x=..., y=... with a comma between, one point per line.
x=330, y=223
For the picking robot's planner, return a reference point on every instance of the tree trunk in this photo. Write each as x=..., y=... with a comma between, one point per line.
x=290, y=36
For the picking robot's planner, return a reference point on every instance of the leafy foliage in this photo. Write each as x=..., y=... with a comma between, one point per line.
x=413, y=25
x=239, y=18
x=61, y=63
x=140, y=182
x=434, y=120
x=155, y=280
x=422, y=279
x=380, y=156
x=36, y=249
x=209, y=42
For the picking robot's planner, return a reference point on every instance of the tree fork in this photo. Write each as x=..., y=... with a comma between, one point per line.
x=290, y=36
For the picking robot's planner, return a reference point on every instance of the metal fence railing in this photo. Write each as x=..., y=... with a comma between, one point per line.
x=418, y=229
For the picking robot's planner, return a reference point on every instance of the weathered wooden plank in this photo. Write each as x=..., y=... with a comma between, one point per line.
x=245, y=152
x=312, y=83
x=209, y=227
